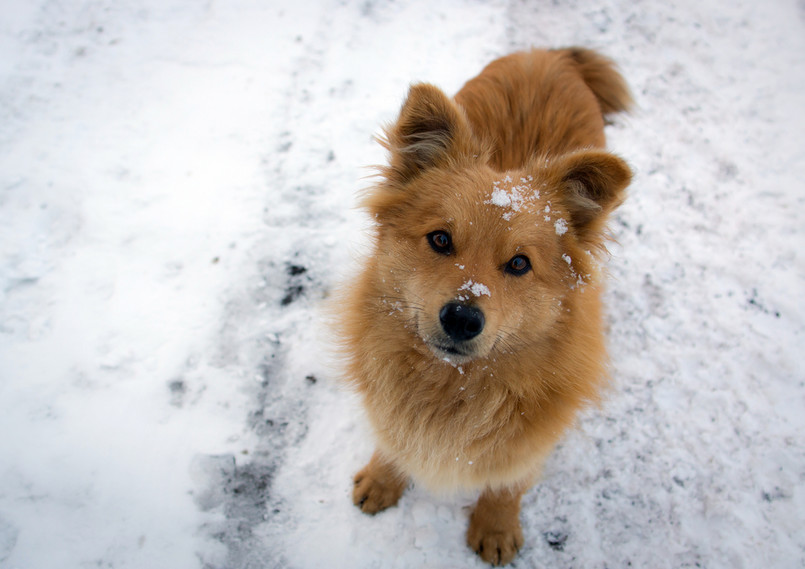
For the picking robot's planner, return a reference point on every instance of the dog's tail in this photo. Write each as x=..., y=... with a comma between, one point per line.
x=602, y=77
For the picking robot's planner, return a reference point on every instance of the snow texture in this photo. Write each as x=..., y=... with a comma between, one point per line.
x=477, y=289
x=512, y=197
x=177, y=190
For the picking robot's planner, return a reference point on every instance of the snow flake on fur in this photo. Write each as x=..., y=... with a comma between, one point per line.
x=476, y=289
x=511, y=196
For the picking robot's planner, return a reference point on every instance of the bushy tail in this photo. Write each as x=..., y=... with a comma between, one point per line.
x=603, y=79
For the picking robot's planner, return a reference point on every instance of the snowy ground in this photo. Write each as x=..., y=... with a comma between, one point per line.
x=176, y=190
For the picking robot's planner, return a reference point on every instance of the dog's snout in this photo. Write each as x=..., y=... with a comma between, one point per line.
x=461, y=322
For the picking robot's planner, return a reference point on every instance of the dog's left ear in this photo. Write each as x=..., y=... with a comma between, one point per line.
x=592, y=185
x=430, y=130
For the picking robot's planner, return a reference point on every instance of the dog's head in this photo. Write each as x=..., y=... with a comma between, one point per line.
x=478, y=262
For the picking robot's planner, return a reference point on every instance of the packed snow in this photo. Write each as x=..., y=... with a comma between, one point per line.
x=177, y=201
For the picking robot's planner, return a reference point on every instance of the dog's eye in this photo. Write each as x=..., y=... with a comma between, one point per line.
x=518, y=265
x=440, y=242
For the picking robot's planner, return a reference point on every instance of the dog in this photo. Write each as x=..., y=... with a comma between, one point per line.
x=473, y=332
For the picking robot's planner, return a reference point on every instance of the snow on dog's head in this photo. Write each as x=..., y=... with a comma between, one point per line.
x=473, y=254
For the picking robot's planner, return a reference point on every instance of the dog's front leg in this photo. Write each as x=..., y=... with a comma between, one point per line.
x=494, y=531
x=378, y=485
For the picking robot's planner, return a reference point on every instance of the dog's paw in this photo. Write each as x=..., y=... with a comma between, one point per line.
x=377, y=488
x=496, y=543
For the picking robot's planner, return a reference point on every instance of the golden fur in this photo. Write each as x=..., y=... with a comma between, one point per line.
x=508, y=173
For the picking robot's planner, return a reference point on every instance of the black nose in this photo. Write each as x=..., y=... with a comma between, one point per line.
x=461, y=322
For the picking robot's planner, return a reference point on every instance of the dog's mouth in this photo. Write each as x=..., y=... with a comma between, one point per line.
x=450, y=350
x=451, y=354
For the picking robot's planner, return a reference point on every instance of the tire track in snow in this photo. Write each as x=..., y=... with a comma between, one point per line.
x=268, y=327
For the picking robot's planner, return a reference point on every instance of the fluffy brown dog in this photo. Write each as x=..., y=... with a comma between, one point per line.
x=474, y=331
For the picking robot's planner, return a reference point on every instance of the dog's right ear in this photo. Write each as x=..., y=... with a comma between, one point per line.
x=430, y=130
x=593, y=184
